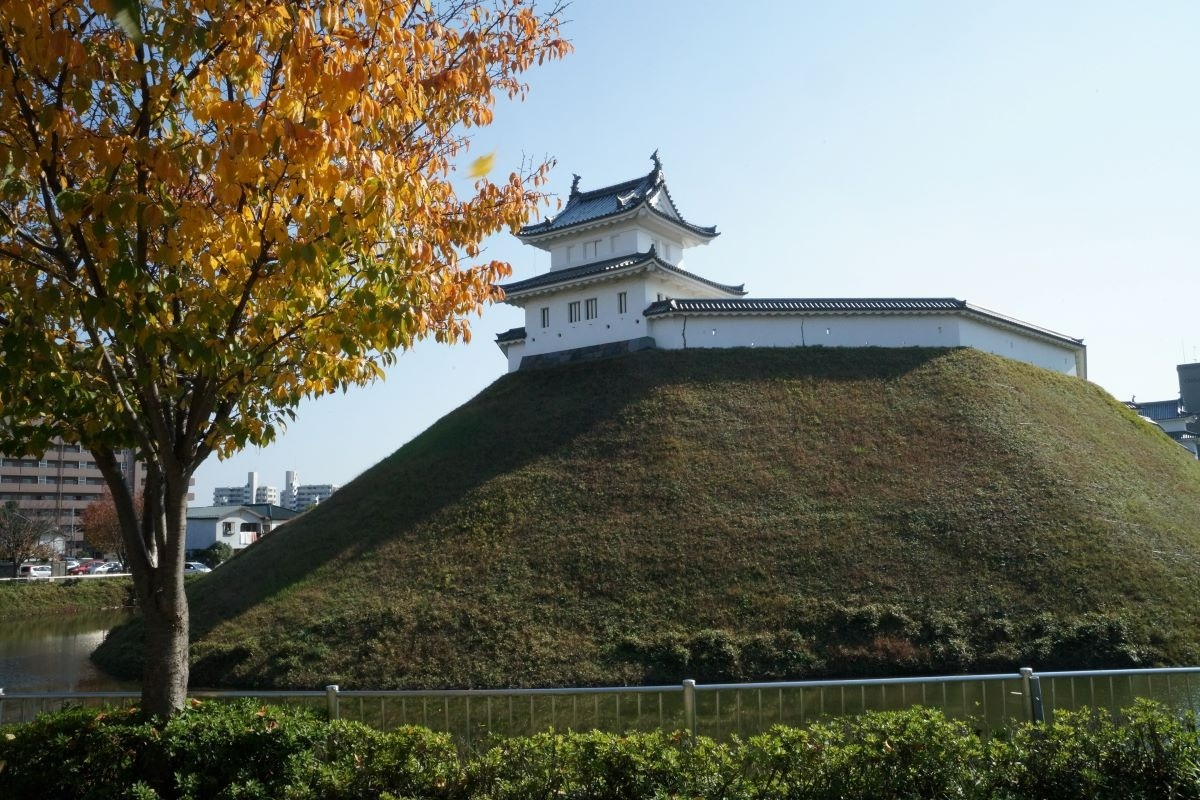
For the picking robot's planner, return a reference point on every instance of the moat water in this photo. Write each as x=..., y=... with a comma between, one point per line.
x=52, y=654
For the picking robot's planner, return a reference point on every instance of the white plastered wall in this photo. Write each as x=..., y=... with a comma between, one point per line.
x=1013, y=344
x=923, y=330
x=693, y=330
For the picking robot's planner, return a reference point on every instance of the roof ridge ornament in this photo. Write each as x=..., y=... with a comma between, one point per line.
x=624, y=199
x=574, y=185
x=656, y=174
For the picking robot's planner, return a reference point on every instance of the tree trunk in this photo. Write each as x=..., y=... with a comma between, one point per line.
x=165, y=669
x=155, y=548
x=165, y=606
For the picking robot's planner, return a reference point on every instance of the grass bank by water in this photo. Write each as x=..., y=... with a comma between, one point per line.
x=64, y=596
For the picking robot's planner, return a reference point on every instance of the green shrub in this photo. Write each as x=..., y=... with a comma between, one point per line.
x=1086, y=755
x=243, y=751
x=240, y=749
x=916, y=753
x=76, y=754
x=212, y=750
x=355, y=761
x=598, y=766
x=216, y=554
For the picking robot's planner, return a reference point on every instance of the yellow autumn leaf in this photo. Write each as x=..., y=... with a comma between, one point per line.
x=482, y=165
x=292, y=116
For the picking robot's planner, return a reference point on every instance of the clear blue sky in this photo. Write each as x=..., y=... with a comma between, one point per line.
x=1038, y=159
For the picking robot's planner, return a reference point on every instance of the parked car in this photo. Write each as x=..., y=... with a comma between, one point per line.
x=108, y=567
x=34, y=571
x=82, y=568
x=195, y=566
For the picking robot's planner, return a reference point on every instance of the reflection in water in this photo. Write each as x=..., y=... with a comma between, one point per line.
x=52, y=653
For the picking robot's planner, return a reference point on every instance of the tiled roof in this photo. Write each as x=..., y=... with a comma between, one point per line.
x=272, y=511
x=1159, y=409
x=610, y=265
x=784, y=305
x=847, y=305
x=216, y=512
x=511, y=335
x=609, y=201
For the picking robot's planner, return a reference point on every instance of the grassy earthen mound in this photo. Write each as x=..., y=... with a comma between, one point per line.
x=729, y=515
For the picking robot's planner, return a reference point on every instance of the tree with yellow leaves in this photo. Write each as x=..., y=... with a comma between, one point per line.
x=211, y=210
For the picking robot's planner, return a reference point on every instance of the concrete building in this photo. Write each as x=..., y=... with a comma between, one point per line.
x=1179, y=419
x=295, y=496
x=617, y=284
x=238, y=495
x=59, y=484
x=311, y=494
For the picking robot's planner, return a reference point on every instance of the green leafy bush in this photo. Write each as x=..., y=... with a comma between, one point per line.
x=216, y=554
x=1087, y=755
x=354, y=761
x=911, y=754
x=243, y=751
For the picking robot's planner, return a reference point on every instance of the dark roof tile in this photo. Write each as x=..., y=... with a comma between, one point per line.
x=783, y=305
x=511, y=335
x=609, y=265
x=609, y=201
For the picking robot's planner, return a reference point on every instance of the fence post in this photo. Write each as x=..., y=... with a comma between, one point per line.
x=331, y=701
x=1, y=706
x=1031, y=688
x=689, y=707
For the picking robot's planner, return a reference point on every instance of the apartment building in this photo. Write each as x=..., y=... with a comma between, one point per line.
x=59, y=484
x=295, y=496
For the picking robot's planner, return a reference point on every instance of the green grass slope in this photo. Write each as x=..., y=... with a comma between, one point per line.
x=729, y=515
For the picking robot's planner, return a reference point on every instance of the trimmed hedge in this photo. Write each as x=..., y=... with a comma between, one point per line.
x=245, y=751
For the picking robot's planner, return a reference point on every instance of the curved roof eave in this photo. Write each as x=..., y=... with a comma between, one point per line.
x=531, y=235
x=609, y=269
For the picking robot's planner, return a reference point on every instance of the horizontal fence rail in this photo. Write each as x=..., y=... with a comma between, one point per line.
x=471, y=716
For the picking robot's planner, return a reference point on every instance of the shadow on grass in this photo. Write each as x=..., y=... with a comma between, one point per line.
x=517, y=420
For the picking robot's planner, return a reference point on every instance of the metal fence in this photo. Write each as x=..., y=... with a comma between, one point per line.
x=987, y=702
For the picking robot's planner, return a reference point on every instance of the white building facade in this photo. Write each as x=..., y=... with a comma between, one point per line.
x=295, y=496
x=238, y=526
x=617, y=284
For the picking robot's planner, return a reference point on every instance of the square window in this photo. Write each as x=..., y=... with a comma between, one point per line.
x=590, y=308
x=573, y=312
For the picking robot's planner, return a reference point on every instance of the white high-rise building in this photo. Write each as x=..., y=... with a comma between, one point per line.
x=294, y=496
x=246, y=495
x=313, y=494
x=268, y=495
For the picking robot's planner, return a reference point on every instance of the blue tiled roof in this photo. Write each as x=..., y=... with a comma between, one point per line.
x=556, y=277
x=1159, y=409
x=609, y=201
